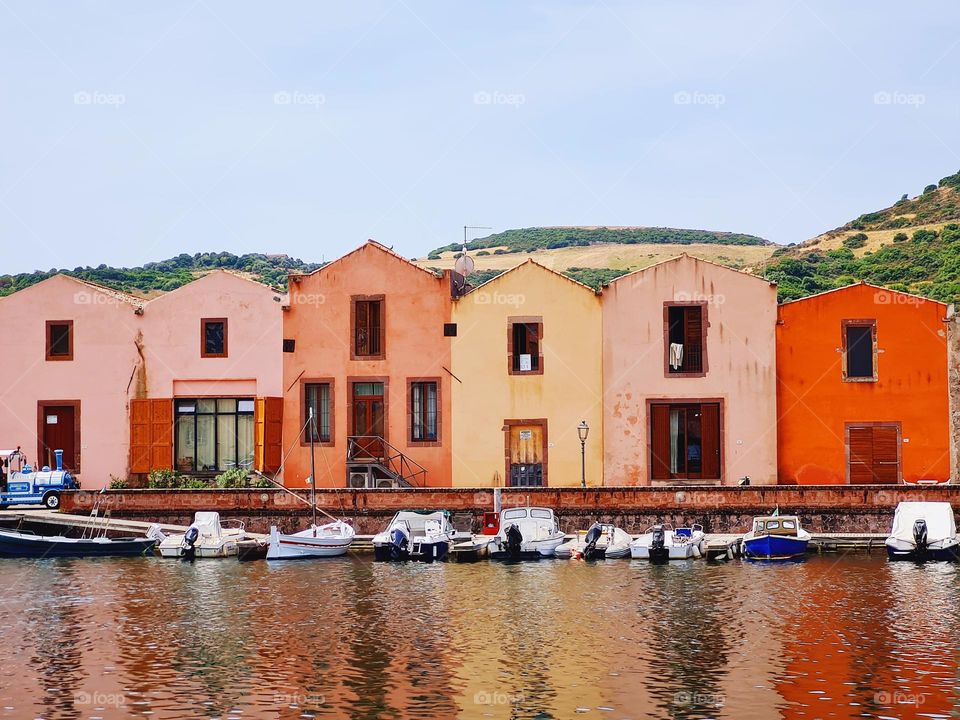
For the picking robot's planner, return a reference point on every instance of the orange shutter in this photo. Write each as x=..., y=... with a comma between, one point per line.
x=139, y=436
x=161, y=434
x=861, y=455
x=268, y=431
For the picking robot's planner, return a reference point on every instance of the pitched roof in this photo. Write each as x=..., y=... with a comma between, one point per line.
x=687, y=256
x=531, y=261
x=118, y=295
x=369, y=243
x=863, y=283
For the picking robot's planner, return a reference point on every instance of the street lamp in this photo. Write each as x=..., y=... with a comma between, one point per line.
x=583, y=430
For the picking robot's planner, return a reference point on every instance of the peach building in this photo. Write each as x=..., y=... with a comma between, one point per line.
x=689, y=376
x=367, y=349
x=863, y=388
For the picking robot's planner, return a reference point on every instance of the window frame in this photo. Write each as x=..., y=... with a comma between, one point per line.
x=48, y=355
x=216, y=414
x=704, y=324
x=304, y=438
x=203, y=337
x=862, y=322
x=525, y=320
x=437, y=441
x=354, y=301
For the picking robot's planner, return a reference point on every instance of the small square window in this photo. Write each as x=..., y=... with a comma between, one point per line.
x=289, y=345
x=59, y=340
x=449, y=329
x=213, y=337
x=524, y=346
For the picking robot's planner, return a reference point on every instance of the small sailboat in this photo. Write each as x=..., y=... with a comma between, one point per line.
x=416, y=535
x=317, y=541
x=775, y=537
x=923, y=531
x=663, y=542
x=601, y=541
x=207, y=537
x=526, y=533
x=20, y=544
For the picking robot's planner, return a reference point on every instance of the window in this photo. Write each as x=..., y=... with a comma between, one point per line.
x=59, y=340
x=317, y=396
x=368, y=327
x=524, y=346
x=214, y=434
x=449, y=329
x=685, y=440
x=424, y=412
x=289, y=345
x=213, y=337
x=685, y=334
x=859, y=350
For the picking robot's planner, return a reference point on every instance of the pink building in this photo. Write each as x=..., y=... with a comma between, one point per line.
x=689, y=374
x=191, y=379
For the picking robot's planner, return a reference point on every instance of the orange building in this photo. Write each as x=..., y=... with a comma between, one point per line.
x=862, y=388
x=367, y=347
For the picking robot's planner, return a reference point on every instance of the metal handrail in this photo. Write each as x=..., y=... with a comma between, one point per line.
x=395, y=461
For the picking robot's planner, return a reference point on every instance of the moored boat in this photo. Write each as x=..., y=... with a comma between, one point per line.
x=329, y=540
x=923, y=531
x=775, y=537
x=526, y=533
x=416, y=535
x=207, y=537
x=14, y=543
x=601, y=541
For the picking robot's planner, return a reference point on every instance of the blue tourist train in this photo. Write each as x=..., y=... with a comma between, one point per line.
x=25, y=485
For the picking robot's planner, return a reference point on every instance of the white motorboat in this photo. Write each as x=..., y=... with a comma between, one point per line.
x=601, y=541
x=923, y=531
x=662, y=543
x=526, y=533
x=417, y=535
x=207, y=537
x=329, y=540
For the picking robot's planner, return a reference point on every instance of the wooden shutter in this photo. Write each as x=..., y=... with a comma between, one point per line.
x=886, y=458
x=660, y=442
x=693, y=325
x=710, y=441
x=268, y=434
x=161, y=434
x=139, y=436
x=861, y=455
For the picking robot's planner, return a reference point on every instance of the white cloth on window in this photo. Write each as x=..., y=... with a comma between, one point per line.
x=676, y=355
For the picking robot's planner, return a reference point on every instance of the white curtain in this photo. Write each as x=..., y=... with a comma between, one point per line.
x=674, y=438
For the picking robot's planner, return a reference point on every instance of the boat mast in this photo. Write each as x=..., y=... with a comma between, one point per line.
x=313, y=471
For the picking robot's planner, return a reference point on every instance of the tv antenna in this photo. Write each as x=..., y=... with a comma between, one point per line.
x=464, y=264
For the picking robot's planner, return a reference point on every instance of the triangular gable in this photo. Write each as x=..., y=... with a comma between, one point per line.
x=533, y=263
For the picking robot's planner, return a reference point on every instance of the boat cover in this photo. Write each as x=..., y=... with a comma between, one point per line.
x=939, y=517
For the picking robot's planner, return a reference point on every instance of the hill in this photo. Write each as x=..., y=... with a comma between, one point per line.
x=526, y=240
x=170, y=274
x=913, y=246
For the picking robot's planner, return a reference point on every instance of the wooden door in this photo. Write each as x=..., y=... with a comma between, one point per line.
x=873, y=453
x=526, y=455
x=59, y=433
x=685, y=441
x=368, y=424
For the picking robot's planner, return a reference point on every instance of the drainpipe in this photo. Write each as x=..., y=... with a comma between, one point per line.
x=496, y=500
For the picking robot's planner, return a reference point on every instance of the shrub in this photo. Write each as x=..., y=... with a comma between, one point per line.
x=260, y=482
x=900, y=237
x=483, y=252
x=855, y=241
x=929, y=189
x=499, y=251
x=117, y=483
x=193, y=483
x=163, y=479
x=924, y=236
x=234, y=478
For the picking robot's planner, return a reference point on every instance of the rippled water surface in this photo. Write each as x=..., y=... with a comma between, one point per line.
x=830, y=637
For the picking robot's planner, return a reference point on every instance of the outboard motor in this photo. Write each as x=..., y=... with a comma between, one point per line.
x=188, y=549
x=398, y=544
x=514, y=541
x=590, y=551
x=658, y=550
x=920, y=537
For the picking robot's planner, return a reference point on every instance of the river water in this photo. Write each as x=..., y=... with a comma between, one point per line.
x=830, y=637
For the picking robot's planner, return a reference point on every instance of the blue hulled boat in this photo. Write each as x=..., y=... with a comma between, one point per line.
x=775, y=537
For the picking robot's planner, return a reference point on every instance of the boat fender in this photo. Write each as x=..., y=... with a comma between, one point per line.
x=514, y=540
x=920, y=535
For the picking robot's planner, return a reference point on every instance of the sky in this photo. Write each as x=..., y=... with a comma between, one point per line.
x=132, y=132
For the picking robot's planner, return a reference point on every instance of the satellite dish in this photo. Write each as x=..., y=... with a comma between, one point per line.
x=464, y=264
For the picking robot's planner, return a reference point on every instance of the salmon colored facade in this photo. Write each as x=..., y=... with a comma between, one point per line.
x=366, y=350
x=863, y=388
x=688, y=368
x=516, y=422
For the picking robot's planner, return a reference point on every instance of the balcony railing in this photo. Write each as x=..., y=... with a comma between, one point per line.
x=692, y=361
x=374, y=449
x=367, y=341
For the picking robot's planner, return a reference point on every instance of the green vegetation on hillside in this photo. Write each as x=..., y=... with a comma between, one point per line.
x=170, y=274
x=928, y=264
x=936, y=204
x=529, y=239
